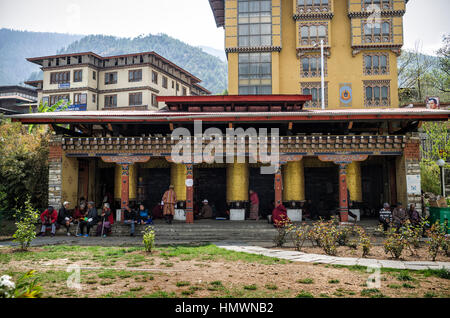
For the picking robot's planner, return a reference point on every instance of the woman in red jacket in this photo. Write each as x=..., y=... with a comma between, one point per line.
x=49, y=218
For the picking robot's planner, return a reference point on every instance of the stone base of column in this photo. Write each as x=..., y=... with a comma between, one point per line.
x=295, y=215
x=356, y=212
x=237, y=215
x=180, y=215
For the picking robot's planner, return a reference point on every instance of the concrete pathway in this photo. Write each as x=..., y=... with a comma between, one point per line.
x=325, y=259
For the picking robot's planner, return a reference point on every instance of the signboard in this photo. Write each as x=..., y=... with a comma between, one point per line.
x=345, y=95
x=433, y=102
x=413, y=184
x=64, y=85
x=73, y=108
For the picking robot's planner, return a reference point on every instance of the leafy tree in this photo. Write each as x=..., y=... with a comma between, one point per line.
x=23, y=168
x=441, y=79
x=44, y=108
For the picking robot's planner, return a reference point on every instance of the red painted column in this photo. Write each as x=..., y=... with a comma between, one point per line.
x=343, y=193
x=125, y=194
x=189, y=193
x=278, y=188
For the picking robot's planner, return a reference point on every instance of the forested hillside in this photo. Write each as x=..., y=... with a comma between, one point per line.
x=16, y=46
x=210, y=69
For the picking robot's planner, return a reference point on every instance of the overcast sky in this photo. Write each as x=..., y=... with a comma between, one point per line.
x=188, y=20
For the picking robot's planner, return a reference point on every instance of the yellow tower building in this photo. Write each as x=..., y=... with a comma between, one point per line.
x=274, y=47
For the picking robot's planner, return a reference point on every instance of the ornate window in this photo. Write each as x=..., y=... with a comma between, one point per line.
x=376, y=64
x=313, y=6
x=56, y=98
x=255, y=73
x=310, y=66
x=312, y=33
x=377, y=32
x=377, y=93
x=315, y=89
x=255, y=23
x=60, y=77
x=382, y=4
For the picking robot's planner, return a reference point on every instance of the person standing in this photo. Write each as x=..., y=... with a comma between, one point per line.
x=385, y=216
x=49, y=218
x=169, y=199
x=65, y=217
x=254, y=206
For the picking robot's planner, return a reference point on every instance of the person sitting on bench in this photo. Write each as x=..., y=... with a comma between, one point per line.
x=65, y=217
x=49, y=218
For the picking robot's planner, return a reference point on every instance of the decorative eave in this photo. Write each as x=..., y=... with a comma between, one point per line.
x=313, y=16
x=253, y=49
x=384, y=13
x=395, y=48
x=311, y=49
x=218, y=9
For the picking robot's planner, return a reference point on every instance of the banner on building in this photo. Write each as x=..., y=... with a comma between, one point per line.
x=345, y=95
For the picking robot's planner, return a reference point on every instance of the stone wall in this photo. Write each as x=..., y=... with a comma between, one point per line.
x=55, y=172
x=412, y=167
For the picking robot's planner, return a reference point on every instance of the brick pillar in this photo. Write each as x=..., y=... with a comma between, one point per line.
x=55, y=172
x=189, y=193
x=125, y=193
x=343, y=196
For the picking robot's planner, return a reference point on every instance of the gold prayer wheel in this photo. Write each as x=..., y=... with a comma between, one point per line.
x=132, y=182
x=237, y=182
x=294, y=181
x=354, y=182
x=178, y=180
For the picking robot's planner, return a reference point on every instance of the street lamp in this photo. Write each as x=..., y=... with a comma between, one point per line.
x=441, y=164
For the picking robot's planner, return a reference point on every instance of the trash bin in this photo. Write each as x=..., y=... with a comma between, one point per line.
x=442, y=214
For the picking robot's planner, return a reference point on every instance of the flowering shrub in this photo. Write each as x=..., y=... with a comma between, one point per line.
x=26, y=287
x=283, y=229
x=149, y=239
x=437, y=240
x=395, y=243
x=326, y=235
x=26, y=226
x=364, y=241
x=299, y=235
x=413, y=234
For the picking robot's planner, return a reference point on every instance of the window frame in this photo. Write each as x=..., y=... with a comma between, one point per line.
x=373, y=88
x=115, y=78
x=77, y=79
x=135, y=99
x=108, y=99
x=135, y=75
x=60, y=77
x=253, y=33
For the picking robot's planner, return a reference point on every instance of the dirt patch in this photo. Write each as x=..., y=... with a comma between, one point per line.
x=160, y=276
x=376, y=252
